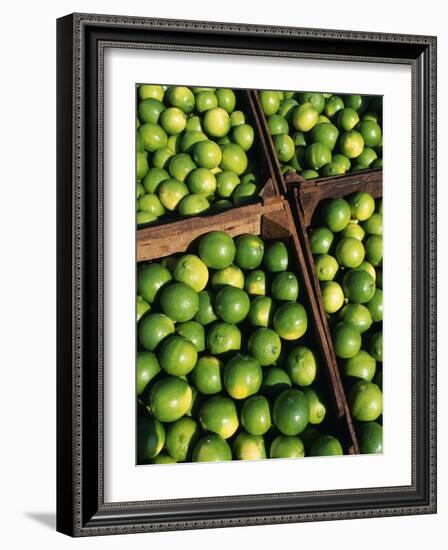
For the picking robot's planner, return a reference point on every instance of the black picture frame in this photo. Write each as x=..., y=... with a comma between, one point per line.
x=81, y=510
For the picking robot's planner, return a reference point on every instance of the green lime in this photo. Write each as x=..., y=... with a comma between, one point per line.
x=206, y=375
x=194, y=124
x=366, y=266
x=255, y=283
x=242, y=376
x=243, y=135
x=170, y=398
x=174, y=143
x=140, y=190
x=150, y=279
x=151, y=203
x=321, y=239
x=179, y=301
x=376, y=346
x=150, y=438
x=248, y=447
x=192, y=271
x=316, y=406
x=232, y=304
x=180, y=166
x=153, y=329
x=277, y=125
x=148, y=90
x=378, y=163
x=207, y=154
x=171, y=192
x=290, y=321
x=317, y=155
x=190, y=139
x=332, y=169
x=287, y=446
x=301, y=366
x=374, y=225
x=147, y=366
x=275, y=380
x=141, y=307
x=291, y=412
x=270, y=102
x=371, y=438
x=173, y=120
x=237, y=118
x=234, y=159
x=181, y=97
x=367, y=157
x=193, y=409
x=332, y=296
x=205, y=101
x=356, y=315
x=161, y=158
x=154, y=178
x=163, y=459
x=154, y=136
x=275, y=257
x=374, y=249
x=205, y=314
x=193, y=332
x=346, y=340
x=366, y=401
x=265, y=345
x=177, y=355
x=216, y=122
x=342, y=161
x=226, y=183
x=144, y=217
x=285, y=110
x=326, y=134
x=149, y=110
x=309, y=174
x=332, y=105
x=351, y=144
x=192, y=205
x=362, y=365
x=336, y=215
x=229, y=276
x=315, y=98
x=371, y=132
x=202, y=182
x=245, y=193
x=217, y=249
x=326, y=267
x=284, y=145
x=212, y=448
x=347, y=119
x=362, y=205
x=181, y=437
x=354, y=101
x=326, y=445
x=285, y=286
x=249, y=251
x=226, y=99
x=261, y=311
x=375, y=306
x=223, y=337
x=218, y=415
x=142, y=165
x=354, y=231
x=359, y=286
x=256, y=415
x=304, y=117
x=350, y=252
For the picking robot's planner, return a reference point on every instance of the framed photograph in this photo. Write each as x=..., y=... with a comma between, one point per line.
x=235, y=205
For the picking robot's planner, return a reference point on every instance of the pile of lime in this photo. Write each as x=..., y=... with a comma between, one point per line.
x=193, y=155
x=319, y=135
x=347, y=244
x=226, y=366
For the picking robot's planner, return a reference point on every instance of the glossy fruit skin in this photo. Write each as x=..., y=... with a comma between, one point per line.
x=141, y=307
x=337, y=215
x=374, y=250
x=285, y=287
x=161, y=158
x=205, y=314
x=351, y=144
x=190, y=139
x=350, y=252
x=321, y=239
x=149, y=90
x=243, y=135
x=261, y=311
x=212, y=448
x=354, y=231
x=173, y=120
x=154, y=136
x=150, y=437
x=304, y=117
x=277, y=124
x=361, y=366
x=181, y=438
x=154, y=178
x=153, y=329
x=179, y=301
x=265, y=345
x=170, y=399
x=180, y=166
x=275, y=381
x=234, y=159
x=287, y=446
x=171, y=192
x=202, y=181
x=275, y=257
x=206, y=375
x=270, y=102
x=226, y=99
x=181, y=97
x=346, y=340
x=371, y=438
x=192, y=271
x=358, y=316
x=232, y=304
x=347, y=118
x=371, y=132
x=149, y=110
x=290, y=321
x=218, y=415
x=147, y=367
x=206, y=100
x=374, y=224
x=317, y=156
x=375, y=306
x=301, y=366
x=366, y=401
x=177, y=355
x=317, y=408
x=255, y=283
x=151, y=279
x=359, y=286
x=284, y=147
x=249, y=251
x=326, y=445
x=256, y=415
x=291, y=412
x=376, y=346
x=326, y=134
x=248, y=447
x=162, y=458
x=193, y=332
x=229, y=276
x=326, y=267
x=242, y=376
x=217, y=249
x=223, y=337
x=207, y=154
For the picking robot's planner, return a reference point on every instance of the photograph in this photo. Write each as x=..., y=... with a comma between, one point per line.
x=231, y=360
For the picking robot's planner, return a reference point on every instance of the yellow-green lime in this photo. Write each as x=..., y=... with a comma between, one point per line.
x=192, y=271
x=142, y=165
x=150, y=279
x=374, y=225
x=342, y=161
x=326, y=134
x=180, y=166
x=193, y=332
x=347, y=118
x=362, y=205
x=161, y=158
x=350, y=252
x=351, y=144
x=171, y=192
x=226, y=183
x=367, y=157
x=301, y=366
x=371, y=438
x=284, y=146
x=149, y=110
x=326, y=267
x=255, y=283
x=222, y=338
x=144, y=217
x=173, y=120
x=285, y=287
x=362, y=365
x=332, y=105
x=142, y=307
x=277, y=124
x=154, y=178
x=177, y=355
x=205, y=101
x=192, y=205
x=205, y=314
x=216, y=122
x=366, y=266
x=290, y=321
x=147, y=367
x=242, y=376
x=217, y=249
x=371, y=132
x=291, y=412
x=321, y=239
x=316, y=406
x=212, y=448
x=347, y=340
x=374, y=249
x=359, y=286
x=153, y=329
x=256, y=415
x=358, y=316
x=249, y=447
x=375, y=306
x=270, y=101
x=232, y=304
x=304, y=117
x=366, y=401
x=202, y=182
x=226, y=99
x=245, y=193
x=317, y=155
x=332, y=296
x=249, y=251
x=243, y=135
x=179, y=301
x=154, y=136
x=326, y=445
x=287, y=446
x=170, y=398
x=261, y=311
x=276, y=257
x=234, y=159
x=315, y=98
x=151, y=203
x=181, y=438
x=218, y=415
x=275, y=380
x=207, y=154
x=265, y=345
x=376, y=346
x=336, y=215
x=190, y=138
x=206, y=375
x=181, y=97
x=354, y=230
x=149, y=90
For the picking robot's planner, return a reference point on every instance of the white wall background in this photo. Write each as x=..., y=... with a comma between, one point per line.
x=27, y=275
